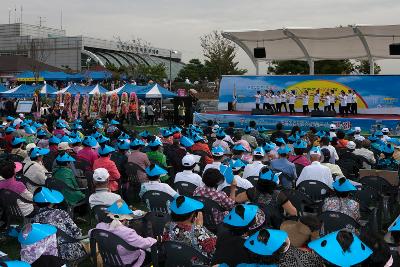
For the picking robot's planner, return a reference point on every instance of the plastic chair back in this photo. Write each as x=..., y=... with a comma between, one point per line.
x=185, y=188
x=157, y=201
x=179, y=254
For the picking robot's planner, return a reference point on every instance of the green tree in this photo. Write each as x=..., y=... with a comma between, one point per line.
x=344, y=66
x=194, y=70
x=152, y=72
x=219, y=54
x=363, y=67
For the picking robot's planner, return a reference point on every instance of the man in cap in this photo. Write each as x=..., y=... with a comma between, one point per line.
x=254, y=168
x=282, y=164
x=187, y=175
x=332, y=130
x=326, y=143
x=350, y=163
x=102, y=195
x=34, y=169
x=363, y=150
x=385, y=136
x=357, y=134
x=315, y=171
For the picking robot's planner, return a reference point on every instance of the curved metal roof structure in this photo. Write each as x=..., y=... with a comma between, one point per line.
x=307, y=44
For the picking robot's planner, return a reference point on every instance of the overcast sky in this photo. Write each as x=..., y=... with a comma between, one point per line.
x=178, y=24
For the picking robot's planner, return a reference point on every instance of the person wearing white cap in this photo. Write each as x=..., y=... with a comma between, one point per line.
x=254, y=168
x=332, y=130
x=357, y=134
x=316, y=171
x=102, y=196
x=187, y=175
x=385, y=136
x=218, y=157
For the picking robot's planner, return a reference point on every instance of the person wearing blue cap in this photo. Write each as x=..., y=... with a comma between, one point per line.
x=186, y=226
x=325, y=142
x=8, y=138
x=282, y=164
x=342, y=201
x=60, y=130
x=166, y=136
x=220, y=135
x=154, y=172
x=47, y=200
x=88, y=153
x=189, y=163
x=237, y=167
x=120, y=157
x=42, y=141
x=64, y=173
x=18, y=145
x=201, y=147
x=254, y=168
x=238, y=224
x=104, y=161
x=156, y=154
x=139, y=158
x=251, y=140
x=218, y=157
x=386, y=160
x=299, y=157
x=238, y=152
x=34, y=169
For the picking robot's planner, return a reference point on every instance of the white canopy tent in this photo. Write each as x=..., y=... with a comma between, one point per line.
x=350, y=42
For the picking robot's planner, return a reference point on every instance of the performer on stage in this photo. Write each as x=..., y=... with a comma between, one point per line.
x=278, y=104
x=305, y=98
x=284, y=99
x=333, y=100
x=267, y=100
x=355, y=103
x=274, y=100
x=326, y=99
x=343, y=104
x=316, y=100
x=349, y=100
x=292, y=100
x=258, y=98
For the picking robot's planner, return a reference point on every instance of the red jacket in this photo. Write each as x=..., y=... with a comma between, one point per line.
x=109, y=165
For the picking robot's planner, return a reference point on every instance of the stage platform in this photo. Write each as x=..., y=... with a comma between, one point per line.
x=241, y=118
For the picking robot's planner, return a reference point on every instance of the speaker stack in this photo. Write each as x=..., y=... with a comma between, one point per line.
x=394, y=49
x=262, y=112
x=320, y=113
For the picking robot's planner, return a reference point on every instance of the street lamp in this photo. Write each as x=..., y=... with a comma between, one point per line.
x=88, y=60
x=170, y=67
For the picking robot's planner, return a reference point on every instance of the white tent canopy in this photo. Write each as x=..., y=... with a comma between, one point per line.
x=350, y=42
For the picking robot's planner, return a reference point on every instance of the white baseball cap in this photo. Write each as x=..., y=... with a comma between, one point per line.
x=30, y=146
x=332, y=127
x=188, y=160
x=385, y=130
x=21, y=115
x=63, y=146
x=215, y=128
x=351, y=145
x=357, y=129
x=100, y=175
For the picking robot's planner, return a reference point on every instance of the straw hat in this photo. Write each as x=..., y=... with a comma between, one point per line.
x=298, y=232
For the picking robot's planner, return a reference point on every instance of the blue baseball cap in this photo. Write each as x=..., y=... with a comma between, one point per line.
x=37, y=124
x=123, y=144
x=89, y=141
x=386, y=148
x=98, y=125
x=259, y=151
x=293, y=138
x=320, y=134
x=394, y=141
x=136, y=142
x=102, y=139
x=105, y=150
x=155, y=171
x=114, y=122
x=267, y=174
x=144, y=134
x=316, y=150
x=76, y=126
x=379, y=133
x=343, y=185
x=16, y=264
x=237, y=164
x=247, y=129
x=186, y=141
x=10, y=129
x=300, y=144
x=329, y=248
x=35, y=232
x=124, y=136
x=36, y=152
x=175, y=129
x=17, y=140
x=96, y=135
x=395, y=226
x=261, y=129
x=72, y=135
x=30, y=130
x=269, y=146
x=119, y=207
x=66, y=139
x=65, y=158
x=76, y=140
x=41, y=133
x=197, y=138
x=217, y=151
x=166, y=133
x=239, y=147
x=187, y=205
x=227, y=172
x=54, y=140
x=10, y=118
x=154, y=143
x=284, y=150
x=220, y=133
x=257, y=245
x=47, y=195
x=247, y=214
x=60, y=125
x=280, y=140
x=373, y=138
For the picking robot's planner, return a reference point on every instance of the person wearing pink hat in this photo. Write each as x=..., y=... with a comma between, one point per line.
x=8, y=169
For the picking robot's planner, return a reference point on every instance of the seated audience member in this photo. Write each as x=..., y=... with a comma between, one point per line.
x=200, y=147
x=139, y=158
x=155, y=155
x=302, y=231
x=381, y=255
x=267, y=196
x=285, y=166
x=251, y=140
x=218, y=157
x=39, y=240
x=315, y=171
x=326, y=143
x=34, y=169
x=8, y=137
x=386, y=160
x=186, y=226
x=220, y=135
x=102, y=194
x=53, y=144
x=88, y=152
x=42, y=141
x=335, y=169
x=341, y=143
x=242, y=221
x=300, y=147
x=342, y=202
x=120, y=156
x=46, y=199
x=278, y=133
x=237, y=137
x=238, y=152
x=154, y=172
x=105, y=162
x=362, y=150
x=231, y=128
x=187, y=175
x=8, y=170
x=175, y=154
x=341, y=248
x=64, y=173
x=237, y=167
x=17, y=145
x=120, y=213
x=211, y=179
x=254, y=168
x=350, y=163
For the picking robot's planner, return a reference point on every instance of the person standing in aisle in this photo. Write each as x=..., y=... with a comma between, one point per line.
x=316, y=100
x=284, y=99
x=305, y=98
x=333, y=100
x=258, y=99
x=343, y=104
x=292, y=100
x=349, y=100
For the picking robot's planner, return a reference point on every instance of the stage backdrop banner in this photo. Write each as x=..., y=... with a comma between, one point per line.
x=376, y=94
x=305, y=123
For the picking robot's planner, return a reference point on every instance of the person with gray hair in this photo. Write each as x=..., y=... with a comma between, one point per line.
x=102, y=195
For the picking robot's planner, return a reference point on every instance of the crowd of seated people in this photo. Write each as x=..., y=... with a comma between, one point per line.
x=241, y=206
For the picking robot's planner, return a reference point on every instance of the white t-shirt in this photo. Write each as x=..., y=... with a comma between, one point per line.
x=349, y=98
x=316, y=98
x=252, y=169
x=274, y=98
x=327, y=100
x=354, y=98
x=103, y=197
x=305, y=100
x=283, y=98
x=241, y=183
x=292, y=99
x=316, y=172
x=332, y=99
x=157, y=186
x=214, y=165
x=258, y=97
x=190, y=177
x=343, y=100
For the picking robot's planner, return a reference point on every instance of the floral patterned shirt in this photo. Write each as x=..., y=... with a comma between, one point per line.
x=194, y=235
x=347, y=206
x=46, y=246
